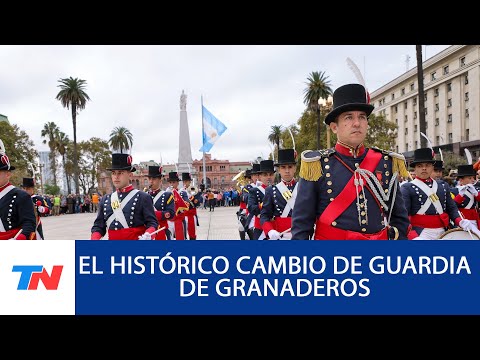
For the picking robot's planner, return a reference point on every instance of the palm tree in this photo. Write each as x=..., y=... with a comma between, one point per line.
x=318, y=87
x=275, y=135
x=421, y=97
x=120, y=138
x=62, y=145
x=72, y=94
x=50, y=131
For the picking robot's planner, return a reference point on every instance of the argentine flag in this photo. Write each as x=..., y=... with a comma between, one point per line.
x=212, y=129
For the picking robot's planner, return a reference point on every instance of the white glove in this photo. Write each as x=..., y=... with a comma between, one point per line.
x=146, y=236
x=273, y=235
x=462, y=190
x=244, y=211
x=466, y=224
x=286, y=236
x=240, y=226
x=472, y=189
x=41, y=209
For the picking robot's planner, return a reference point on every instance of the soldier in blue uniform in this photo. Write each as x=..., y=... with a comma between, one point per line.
x=256, y=195
x=191, y=218
x=279, y=200
x=17, y=216
x=162, y=201
x=429, y=203
x=40, y=206
x=242, y=212
x=127, y=213
x=350, y=192
x=250, y=221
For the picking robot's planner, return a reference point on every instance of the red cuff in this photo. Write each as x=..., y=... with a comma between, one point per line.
x=457, y=221
x=459, y=199
x=21, y=237
x=95, y=236
x=150, y=230
x=267, y=226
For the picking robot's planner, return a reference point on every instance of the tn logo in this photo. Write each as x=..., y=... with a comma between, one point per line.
x=32, y=274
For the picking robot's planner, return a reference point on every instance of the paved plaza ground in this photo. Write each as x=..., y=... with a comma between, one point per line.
x=220, y=224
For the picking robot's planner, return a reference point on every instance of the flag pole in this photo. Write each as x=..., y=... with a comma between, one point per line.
x=203, y=148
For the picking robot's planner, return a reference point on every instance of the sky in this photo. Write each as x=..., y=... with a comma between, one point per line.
x=249, y=88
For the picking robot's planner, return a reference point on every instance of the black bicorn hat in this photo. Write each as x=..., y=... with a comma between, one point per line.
x=122, y=162
x=186, y=176
x=4, y=160
x=255, y=169
x=466, y=170
x=28, y=182
x=349, y=97
x=173, y=176
x=248, y=173
x=423, y=155
x=286, y=157
x=439, y=165
x=266, y=166
x=154, y=171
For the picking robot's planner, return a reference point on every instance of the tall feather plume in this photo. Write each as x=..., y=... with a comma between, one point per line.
x=356, y=71
x=2, y=148
x=293, y=140
x=469, y=157
x=430, y=145
x=441, y=154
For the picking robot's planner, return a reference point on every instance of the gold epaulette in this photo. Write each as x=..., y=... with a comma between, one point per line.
x=399, y=164
x=311, y=166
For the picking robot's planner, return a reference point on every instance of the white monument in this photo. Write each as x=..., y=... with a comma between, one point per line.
x=184, y=149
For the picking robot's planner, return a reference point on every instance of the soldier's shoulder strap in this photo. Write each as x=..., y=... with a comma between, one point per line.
x=399, y=163
x=311, y=164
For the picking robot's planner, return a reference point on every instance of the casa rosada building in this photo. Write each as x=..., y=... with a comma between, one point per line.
x=219, y=174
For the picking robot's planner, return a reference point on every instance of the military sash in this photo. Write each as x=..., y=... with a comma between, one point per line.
x=289, y=196
x=117, y=208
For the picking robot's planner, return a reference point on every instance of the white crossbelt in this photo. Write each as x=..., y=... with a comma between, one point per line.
x=291, y=201
x=2, y=194
x=430, y=199
x=155, y=199
x=469, y=195
x=118, y=212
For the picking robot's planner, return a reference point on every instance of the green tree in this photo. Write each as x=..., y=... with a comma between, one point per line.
x=318, y=87
x=20, y=150
x=72, y=95
x=275, y=135
x=51, y=189
x=50, y=133
x=382, y=133
x=95, y=158
x=121, y=139
x=63, y=142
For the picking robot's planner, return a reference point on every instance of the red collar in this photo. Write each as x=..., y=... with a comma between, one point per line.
x=125, y=189
x=4, y=186
x=291, y=183
x=347, y=150
x=427, y=181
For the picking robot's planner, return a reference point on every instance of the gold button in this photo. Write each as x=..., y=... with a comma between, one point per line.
x=364, y=221
x=387, y=173
x=385, y=166
x=385, y=157
x=327, y=167
x=386, y=181
x=357, y=165
x=325, y=159
x=363, y=229
x=331, y=199
x=362, y=205
x=327, y=174
x=329, y=191
x=363, y=213
x=334, y=223
x=361, y=196
x=386, y=190
x=329, y=182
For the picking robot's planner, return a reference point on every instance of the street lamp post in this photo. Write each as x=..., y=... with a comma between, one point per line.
x=326, y=105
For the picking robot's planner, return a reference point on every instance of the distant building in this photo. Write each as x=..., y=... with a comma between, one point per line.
x=4, y=118
x=46, y=172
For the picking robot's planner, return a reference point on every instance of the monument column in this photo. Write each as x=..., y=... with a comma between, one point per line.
x=184, y=148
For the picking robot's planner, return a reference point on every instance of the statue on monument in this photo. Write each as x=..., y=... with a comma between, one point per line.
x=183, y=101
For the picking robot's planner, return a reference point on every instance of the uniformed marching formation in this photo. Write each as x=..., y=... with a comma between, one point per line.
x=348, y=192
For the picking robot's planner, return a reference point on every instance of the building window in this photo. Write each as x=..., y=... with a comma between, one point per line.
x=145, y=182
x=412, y=86
x=466, y=96
x=416, y=144
x=383, y=101
x=414, y=101
x=209, y=167
x=437, y=121
x=437, y=107
x=406, y=146
x=449, y=102
x=450, y=137
x=223, y=180
x=406, y=131
x=222, y=167
x=466, y=79
x=426, y=111
x=462, y=61
x=435, y=92
x=393, y=96
x=406, y=118
x=437, y=140
x=415, y=115
x=450, y=118
x=103, y=183
x=405, y=105
x=396, y=121
x=445, y=70
x=467, y=134
x=432, y=76
x=403, y=91
x=416, y=128
x=215, y=181
x=425, y=96
x=396, y=148
x=466, y=113
x=449, y=87
x=396, y=108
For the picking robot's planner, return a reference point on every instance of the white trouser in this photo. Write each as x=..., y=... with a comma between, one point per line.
x=171, y=227
x=430, y=234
